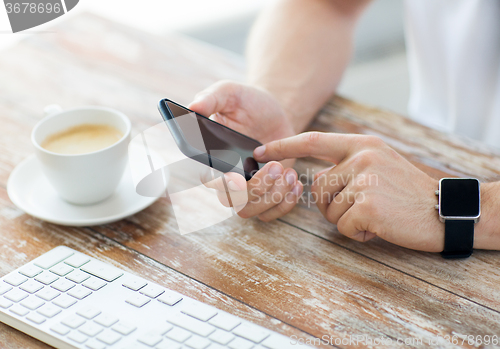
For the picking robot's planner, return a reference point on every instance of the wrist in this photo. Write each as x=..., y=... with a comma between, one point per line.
x=293, y=121
x=486, y=230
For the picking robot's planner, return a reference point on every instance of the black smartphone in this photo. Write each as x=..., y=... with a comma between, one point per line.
x=209, y=142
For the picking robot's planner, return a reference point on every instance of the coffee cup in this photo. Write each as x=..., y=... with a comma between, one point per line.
x=82, y=151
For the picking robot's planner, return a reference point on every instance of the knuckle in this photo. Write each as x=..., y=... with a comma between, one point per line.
x=260, y=188
x=331, y=214
x=373, y=141
x=342, y=225
x=279, y=146
x=312, y=139
x=364, y=158
x=369, y=208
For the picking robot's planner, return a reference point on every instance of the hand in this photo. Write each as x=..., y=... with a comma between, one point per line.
x=246, y=109
x=271, y=193
x=372, y=190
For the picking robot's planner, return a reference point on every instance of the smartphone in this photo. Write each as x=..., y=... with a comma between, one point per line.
x=209, y=142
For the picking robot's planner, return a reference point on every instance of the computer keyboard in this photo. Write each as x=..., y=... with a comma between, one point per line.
x=70, y=300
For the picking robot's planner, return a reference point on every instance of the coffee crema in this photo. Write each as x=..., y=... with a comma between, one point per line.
x=81, y=139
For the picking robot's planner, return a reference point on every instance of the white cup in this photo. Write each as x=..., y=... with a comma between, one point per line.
x=88, y=178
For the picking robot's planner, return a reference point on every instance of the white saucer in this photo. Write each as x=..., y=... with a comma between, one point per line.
x=29, y=190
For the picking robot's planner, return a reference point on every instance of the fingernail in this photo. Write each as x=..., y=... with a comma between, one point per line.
x=259, y=151
x=290, y=177
x=233, y=186
x=275, y=171
x=296, y=189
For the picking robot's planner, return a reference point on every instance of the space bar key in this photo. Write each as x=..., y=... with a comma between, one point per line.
x=102, y=270
x=196, y=326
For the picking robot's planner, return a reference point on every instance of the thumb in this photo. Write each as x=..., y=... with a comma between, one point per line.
x=218, y=98
x=204, y=104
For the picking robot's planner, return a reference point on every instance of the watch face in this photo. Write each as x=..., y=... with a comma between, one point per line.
x=459, y=197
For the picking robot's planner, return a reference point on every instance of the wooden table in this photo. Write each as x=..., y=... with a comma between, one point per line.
x=297, y=275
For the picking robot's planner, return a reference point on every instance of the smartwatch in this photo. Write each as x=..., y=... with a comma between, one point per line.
x=459, y=209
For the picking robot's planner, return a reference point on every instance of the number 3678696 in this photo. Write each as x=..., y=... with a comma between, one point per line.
x=31, y=7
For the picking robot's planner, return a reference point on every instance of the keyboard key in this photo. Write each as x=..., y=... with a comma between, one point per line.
x=200, y=311
x=106, y=320
x=30, y=271
x=60, y=329
x=137, y=300
x=77, y=276
x=150, y=339
x=94, y=284
x=77, y=260
x=63, y=285
x=4, y=288
x=5, y=303
x=77, y=337
x=221, y=337
x=152, y=291
x=32, y=303
x=64, y=301
x=61, y=269
x=18, y=310
x=94, y=344
x=88, y=312
x=31, y=286
x=16, y=295
x=168, y=344
x=134, y=284
x=170, y=298
x=36, y=318
x=102, y=270
x=278, y=342
x=46, y=278
x=73, y=321
x=191, y=324
x=109, y=337
x=197, y=342
x=53, y=257
x=47, y=294
x=240, y=343
x=160, y=329
x=178, y=334
x=79, y=292
x=251, y=332
x=49, y=310
x=124, y=328
x=91, y=329
x=218, y=346
x=15, y=279
x=225, y=321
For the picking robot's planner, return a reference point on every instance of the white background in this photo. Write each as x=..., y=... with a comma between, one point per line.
x=155, y=16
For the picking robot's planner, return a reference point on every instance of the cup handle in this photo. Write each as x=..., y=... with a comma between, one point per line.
x=51, y=109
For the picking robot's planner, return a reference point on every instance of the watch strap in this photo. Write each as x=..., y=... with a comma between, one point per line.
x=458, y=238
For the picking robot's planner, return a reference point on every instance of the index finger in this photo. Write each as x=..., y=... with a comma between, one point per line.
x=333, y=147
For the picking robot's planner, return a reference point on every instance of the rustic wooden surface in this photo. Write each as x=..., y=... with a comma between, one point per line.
x=297, y=275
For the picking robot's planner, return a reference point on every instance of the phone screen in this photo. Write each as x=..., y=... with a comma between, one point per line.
x=222, y=144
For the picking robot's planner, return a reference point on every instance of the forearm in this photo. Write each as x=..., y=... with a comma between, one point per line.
x=487, y=230
x=298, y=51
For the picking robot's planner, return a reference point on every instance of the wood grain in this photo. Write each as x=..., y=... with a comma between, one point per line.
x=435, y=153
x=24, y=238
x=298, y=276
